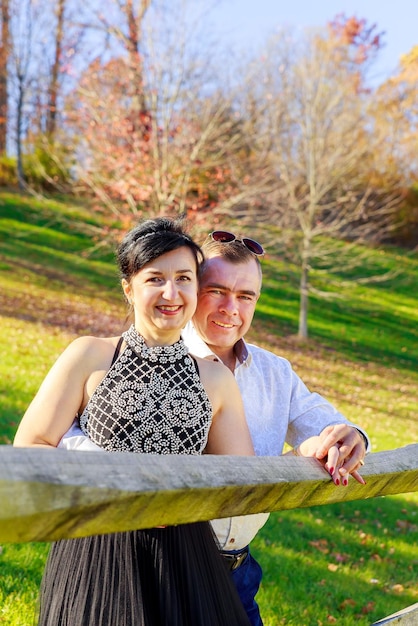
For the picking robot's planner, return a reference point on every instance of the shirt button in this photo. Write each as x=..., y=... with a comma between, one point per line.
x=232, y=540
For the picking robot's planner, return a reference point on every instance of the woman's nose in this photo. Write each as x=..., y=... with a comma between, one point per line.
x=170, y=290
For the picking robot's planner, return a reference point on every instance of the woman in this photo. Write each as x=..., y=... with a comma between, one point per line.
x=142, y=393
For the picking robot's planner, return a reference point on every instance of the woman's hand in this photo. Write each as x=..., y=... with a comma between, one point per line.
x=340, y=449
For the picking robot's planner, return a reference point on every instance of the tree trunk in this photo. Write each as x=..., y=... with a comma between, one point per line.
x=19, y=134
x=303, y=304
x=135, y=62
x=4, y=57
x=304, y=291
x=51, y=119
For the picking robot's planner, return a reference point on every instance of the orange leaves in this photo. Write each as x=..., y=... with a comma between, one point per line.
x=321, y=545
x=406, y=526
x=152, y=152
x=368, y=608
x=354, y=32
x=348, y=602
x=355, y=44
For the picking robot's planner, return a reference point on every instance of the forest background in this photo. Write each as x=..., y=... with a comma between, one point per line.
x=138, y=110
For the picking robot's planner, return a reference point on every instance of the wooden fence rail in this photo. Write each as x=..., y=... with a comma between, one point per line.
x=53, y=494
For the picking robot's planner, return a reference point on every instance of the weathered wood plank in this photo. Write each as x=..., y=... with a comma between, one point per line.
x=50, y=494
x=406, y=617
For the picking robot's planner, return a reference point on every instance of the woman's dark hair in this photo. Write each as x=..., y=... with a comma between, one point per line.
x=151, y=239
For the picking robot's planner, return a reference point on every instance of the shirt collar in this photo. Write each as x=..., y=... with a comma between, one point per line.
x=199, y=348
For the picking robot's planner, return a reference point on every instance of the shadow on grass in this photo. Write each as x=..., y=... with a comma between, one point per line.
x=352, y=562
x=61, y=245
x=369, y=323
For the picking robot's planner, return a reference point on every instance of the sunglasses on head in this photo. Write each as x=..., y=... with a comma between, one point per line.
x=223, y=236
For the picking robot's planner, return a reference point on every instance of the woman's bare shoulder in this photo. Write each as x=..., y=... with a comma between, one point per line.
x=86, y=342
x=92, y=348
x=214, y=370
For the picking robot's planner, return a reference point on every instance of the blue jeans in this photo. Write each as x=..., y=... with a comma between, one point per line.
x=247, y=579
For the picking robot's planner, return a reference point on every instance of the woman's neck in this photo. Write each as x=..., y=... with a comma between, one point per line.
x=159, y=338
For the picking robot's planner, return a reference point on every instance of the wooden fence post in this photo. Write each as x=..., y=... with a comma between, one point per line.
x=406, y=617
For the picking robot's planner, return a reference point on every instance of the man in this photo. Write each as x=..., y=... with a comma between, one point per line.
x=278, y=405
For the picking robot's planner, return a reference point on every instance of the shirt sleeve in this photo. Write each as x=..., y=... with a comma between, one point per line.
x=310, y=413
x=75, y=439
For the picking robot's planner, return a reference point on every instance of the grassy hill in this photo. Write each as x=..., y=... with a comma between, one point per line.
x=351, y=563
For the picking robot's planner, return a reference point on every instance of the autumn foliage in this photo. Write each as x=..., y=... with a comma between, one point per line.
x=152, y=121
x=169, y=155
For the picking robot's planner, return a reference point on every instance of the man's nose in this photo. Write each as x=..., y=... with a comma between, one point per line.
x=228, y=305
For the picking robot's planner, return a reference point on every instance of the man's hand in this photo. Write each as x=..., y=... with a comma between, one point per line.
x=340, y=449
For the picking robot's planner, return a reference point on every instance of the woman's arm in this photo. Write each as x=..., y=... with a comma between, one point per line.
x=60, y=396
x=229, y=432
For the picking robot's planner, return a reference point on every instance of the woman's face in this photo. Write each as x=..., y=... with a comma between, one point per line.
x=164, y=296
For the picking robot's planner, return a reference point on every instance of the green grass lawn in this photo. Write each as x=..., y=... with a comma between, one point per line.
x=351, y=563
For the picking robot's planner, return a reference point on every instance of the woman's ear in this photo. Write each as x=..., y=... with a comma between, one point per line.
x=126, y=289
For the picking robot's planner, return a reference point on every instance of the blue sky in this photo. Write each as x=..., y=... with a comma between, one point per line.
x=245, y=21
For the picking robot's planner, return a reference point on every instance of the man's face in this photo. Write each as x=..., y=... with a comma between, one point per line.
x=228, y=294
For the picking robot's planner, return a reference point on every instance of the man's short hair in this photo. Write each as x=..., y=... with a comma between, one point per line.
x=234, y=251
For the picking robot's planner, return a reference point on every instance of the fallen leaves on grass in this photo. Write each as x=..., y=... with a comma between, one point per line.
x=321, y=545
x=67, y=311
x=348, y=602
x=368, y=608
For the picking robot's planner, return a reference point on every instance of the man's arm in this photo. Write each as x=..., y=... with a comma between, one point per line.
x=318, y=430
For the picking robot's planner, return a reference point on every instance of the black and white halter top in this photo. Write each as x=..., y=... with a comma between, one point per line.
x=151, y=400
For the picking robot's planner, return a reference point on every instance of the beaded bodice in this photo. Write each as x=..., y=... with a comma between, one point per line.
x=151, y=400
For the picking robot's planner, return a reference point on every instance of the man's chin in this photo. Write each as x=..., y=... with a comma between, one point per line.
x=223, y=337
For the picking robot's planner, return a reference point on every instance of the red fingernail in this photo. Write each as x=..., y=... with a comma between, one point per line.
x=337, y=481
x=345, y=482
x=331, y=470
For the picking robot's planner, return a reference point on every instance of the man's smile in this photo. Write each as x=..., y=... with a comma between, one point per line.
x=223, y=324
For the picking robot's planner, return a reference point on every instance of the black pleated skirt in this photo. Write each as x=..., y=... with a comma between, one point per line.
x=170, y=576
